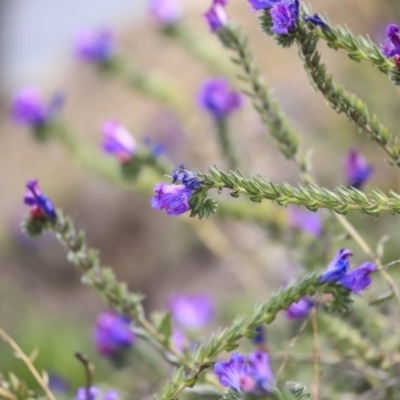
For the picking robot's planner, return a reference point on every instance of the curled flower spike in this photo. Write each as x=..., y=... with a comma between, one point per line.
x=191, y=311
x=391, y=47
x=96, y=394
x=41, y=206
x=118, y=141
x=188, y=178
x=284, y=16
x=166, y=12
x=357, y=169
x=316, y=20
x=112, y=334
x=300, y=309
x=95, y=45
x=262, y=4
x=217, y=97
x=216, y=16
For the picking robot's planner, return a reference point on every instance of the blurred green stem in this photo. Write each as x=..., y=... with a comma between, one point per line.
x=225, y=142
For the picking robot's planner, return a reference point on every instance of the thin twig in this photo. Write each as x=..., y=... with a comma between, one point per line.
x=316, y=354
x=291, y=346
x=27, y=361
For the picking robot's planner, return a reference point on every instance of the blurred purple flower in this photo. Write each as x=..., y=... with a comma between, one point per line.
x=358, y=279
x=179, y=339
x=166, y=12
x=28, y=107
x=284, y=16
x=305, y=220
x=391, y=47
x=173, y=198
x=357, y=169
x=118, y=141
x=40, y=205
x=262, y=4
x=156, y=149
x=216, y=16
x=96, y=394
x=261, y=370
x=217, y=97
x=58, y=384
x=299, y=309
x=260, y=335
x=94, y=45
x=191, y=311
x=112, y=334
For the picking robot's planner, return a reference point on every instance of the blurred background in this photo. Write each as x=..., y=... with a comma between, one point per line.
x=42, y=303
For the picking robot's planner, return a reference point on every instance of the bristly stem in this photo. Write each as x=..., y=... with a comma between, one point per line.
x=341, y=200
x=341, y=100
x=279, y=127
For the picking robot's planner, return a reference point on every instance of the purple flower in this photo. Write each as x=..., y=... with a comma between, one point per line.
x=216, y=16
x=167, y=12
x=391, y=47
x=118, y=141
x=112, y=334
x=262, y=4
x=94, y=45
x=191, y=311
x=41, y=206
x=337, y=267
x=96, y=394
x=233, y=372
x=58, y=384
x=173, y=198
x=316, y=20
x=251, y=374
x=305, y=220
x=299, y=309
x=284, y=16
x=28, y=107
x=261, y=370
x=179, y=339
x=358, y=279
x=357, y=169
x=217, y=97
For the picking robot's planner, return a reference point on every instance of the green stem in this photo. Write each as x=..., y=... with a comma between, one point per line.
x=225, y=143
x=341, y=200
x=342, y=101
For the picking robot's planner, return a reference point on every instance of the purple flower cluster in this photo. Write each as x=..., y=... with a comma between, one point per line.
x=284, y=13
x=96, y=393
x=355, y=280
x=191, y=311
x=28, y=107
x=216, y=15
x=217, y=97
x=41, y=206
x=95, y=45
x=112, y=334
x=166, y=12
x=174, y=199
x=252, y=374
x=357, y=169
x=316, y=20
x=118, y=141
x=391, y=47
x=305, y=220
